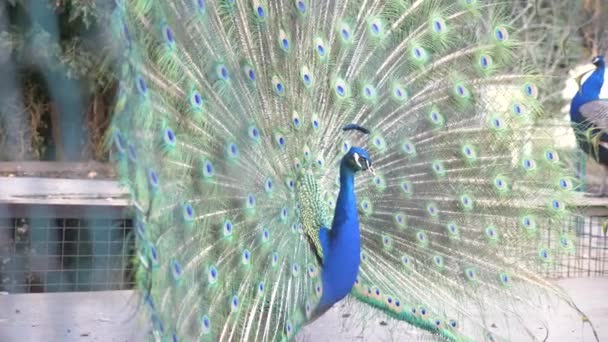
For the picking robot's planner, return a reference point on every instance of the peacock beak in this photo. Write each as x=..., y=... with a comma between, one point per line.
x=370, y=168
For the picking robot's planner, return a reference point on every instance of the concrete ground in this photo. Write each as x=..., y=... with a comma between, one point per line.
x=589, y=294
x=110, y=316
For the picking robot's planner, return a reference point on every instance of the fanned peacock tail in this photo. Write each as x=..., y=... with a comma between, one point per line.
x=228, y=133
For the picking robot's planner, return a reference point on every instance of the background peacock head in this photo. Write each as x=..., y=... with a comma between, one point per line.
x=591, y=82
x=598, y=61
x=357, y=159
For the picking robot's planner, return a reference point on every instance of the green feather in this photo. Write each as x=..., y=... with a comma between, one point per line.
x=228, y=133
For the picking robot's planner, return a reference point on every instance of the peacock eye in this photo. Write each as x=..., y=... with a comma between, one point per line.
x=368, y=164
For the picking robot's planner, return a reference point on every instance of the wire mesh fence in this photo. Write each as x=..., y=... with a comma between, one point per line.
x=53, y=254
x=591, y=257
x=59, y=234
x=89, y=249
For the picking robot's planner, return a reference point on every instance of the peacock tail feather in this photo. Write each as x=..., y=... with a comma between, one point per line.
x=228, y=133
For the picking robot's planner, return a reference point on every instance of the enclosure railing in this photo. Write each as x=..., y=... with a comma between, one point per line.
x=591, y=257
x=60, y=234
x=63, y=235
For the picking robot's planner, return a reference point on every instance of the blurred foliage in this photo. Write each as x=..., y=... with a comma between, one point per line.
x=595, y=29
x=554, y=32
x=49, y=44
x=54, y=56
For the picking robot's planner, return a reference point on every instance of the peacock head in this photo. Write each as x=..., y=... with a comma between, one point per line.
x=357, y=159
x=591, y=81
x=598, y=61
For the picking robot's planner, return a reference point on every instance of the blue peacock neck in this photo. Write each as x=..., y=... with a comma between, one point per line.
x=342, y=258
x=590, y=91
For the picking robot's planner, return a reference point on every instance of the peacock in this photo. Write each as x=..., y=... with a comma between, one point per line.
x=589, y=116
x=283, y=155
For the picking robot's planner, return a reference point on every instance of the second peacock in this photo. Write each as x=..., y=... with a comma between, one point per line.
x=589, y=116
x=285, y=154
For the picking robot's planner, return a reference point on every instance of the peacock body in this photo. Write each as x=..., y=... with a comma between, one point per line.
x=241, y=128
x=589, y=115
